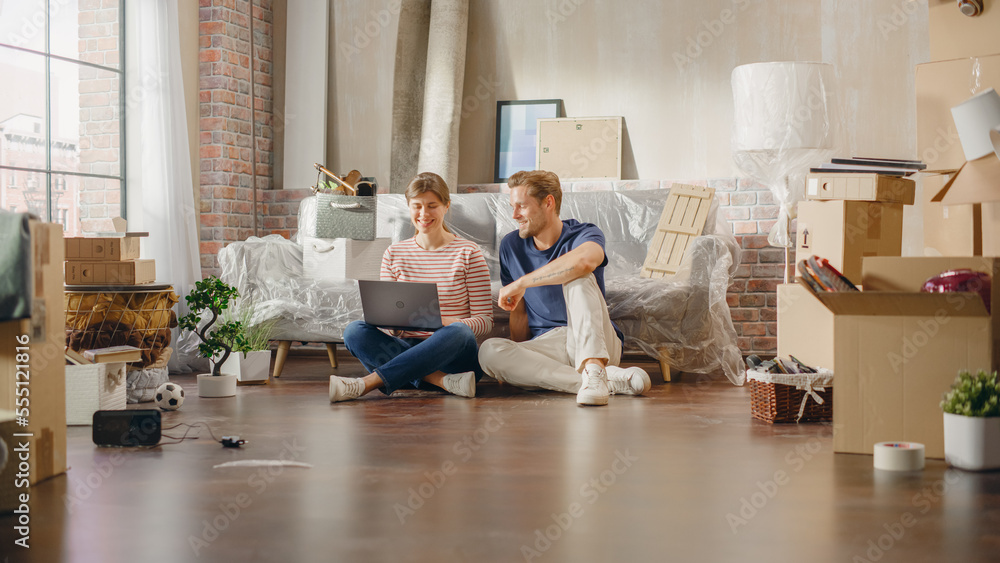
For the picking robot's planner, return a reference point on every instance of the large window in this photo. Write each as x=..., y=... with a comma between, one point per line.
x=62, y=117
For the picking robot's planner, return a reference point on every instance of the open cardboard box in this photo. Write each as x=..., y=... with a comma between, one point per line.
x=894, y=351
x=962, y=217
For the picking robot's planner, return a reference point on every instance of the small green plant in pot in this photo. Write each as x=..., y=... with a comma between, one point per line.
x=214, y=296
x=251, y=360
x=972, y=421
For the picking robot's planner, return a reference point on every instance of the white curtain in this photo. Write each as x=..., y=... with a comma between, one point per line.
x=159, y=163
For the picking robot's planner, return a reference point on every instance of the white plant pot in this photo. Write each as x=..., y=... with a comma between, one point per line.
x=216, y=385
x=972, y=442
x=249, y=367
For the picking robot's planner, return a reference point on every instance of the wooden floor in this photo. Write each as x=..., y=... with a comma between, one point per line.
x=683, y=474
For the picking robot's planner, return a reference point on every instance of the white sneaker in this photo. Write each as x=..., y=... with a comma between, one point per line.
x=628, y=381
x=461, y=384
x=345, y=388
x=594, y=390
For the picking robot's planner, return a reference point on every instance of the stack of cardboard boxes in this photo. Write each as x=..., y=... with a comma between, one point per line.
x=894, y=350
x=850, y=216
x=112, y=260
x=31, y=372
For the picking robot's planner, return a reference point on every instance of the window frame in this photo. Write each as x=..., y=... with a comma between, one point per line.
x=48, y=172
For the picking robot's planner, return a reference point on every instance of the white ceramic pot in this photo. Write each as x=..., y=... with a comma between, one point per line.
x=249, y=367
x=216, y=385
x=972, y=442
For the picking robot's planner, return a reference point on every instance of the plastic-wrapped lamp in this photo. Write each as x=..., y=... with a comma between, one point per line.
x=785, y=121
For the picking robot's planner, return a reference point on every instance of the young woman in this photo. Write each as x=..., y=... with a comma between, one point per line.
x=446, y=358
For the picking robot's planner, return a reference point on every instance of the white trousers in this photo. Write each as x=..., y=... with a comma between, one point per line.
x=554, y=360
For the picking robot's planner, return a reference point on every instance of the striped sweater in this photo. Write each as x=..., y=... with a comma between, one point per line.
x=461, y=275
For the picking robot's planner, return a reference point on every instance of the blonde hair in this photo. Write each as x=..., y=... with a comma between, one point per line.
x=540, y=184
x=429, y=182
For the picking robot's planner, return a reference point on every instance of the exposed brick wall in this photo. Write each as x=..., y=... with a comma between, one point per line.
x=232, y=113
x=752, y=212
x=281, y=211
x=750, y=209
x=100, y=119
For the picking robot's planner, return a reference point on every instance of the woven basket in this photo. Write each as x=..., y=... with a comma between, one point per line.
x=778, y=397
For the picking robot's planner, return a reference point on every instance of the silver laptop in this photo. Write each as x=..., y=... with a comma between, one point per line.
x=400, y=305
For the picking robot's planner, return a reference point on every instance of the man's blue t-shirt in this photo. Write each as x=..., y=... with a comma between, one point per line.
x=545, y=305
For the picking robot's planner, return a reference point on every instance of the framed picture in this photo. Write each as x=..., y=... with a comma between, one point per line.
x=517, y=123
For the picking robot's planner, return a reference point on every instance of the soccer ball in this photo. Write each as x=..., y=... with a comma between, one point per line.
x=169, y=396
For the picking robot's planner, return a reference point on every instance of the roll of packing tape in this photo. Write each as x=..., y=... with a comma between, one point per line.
x=899, y=456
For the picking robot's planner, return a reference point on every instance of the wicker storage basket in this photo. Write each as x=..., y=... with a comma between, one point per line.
x=794, y=397
x=111, y=317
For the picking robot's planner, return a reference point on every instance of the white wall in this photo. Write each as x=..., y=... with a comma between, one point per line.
x=665, y=66
x=636, y=58
x=359, y=111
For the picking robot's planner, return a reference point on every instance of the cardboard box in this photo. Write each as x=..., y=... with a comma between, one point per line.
x=130, y=272
x=341, y=258
x=954, y=35
x=952, y=225
x=105, y=248
x=909, y=274
x=93, y=387
x=861, y=187
x=950, y=230
x=844, y=232
x=894, y=351
x=580, y=148
x=893, y=356
x=45, y=335
x=9, y=493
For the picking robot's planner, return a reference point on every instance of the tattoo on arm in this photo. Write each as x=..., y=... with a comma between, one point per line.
x=550, y=276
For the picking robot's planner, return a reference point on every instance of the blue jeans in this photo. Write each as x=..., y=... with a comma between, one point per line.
x=405, y=362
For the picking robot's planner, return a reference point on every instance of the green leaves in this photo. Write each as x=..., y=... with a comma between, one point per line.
x=973, y=395
x=213, y=295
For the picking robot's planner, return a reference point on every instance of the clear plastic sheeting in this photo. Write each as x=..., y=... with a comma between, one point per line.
x=683, y=320
x=268, y=272
x=785, y=121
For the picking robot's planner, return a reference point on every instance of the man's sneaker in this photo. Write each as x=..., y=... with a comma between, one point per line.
x=594, y=390
x=461, y=384
x=628, y=381
x=345, y=388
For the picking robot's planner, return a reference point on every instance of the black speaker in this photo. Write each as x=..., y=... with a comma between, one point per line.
x=127, y=429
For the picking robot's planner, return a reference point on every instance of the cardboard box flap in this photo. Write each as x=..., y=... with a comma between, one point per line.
x=902, y=304
x=894, y=273
x=977, y=181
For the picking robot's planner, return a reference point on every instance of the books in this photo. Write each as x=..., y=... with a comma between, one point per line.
x=114, y=354
x=909, y=164
x=76, y=358
x=864, y=165
x=821, y=276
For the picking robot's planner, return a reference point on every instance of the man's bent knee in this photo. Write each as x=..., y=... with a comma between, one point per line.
x=491, y=351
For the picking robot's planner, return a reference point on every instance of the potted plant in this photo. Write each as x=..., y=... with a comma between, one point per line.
x=972, y=422
x=213, y=295
x=251, y=360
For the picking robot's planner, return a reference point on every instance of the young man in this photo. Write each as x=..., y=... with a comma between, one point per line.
x=553, y=285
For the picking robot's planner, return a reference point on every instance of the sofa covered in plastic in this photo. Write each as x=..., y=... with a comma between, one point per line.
x=682, y=321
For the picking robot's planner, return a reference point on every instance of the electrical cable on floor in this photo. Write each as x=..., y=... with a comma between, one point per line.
x=188, y=431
